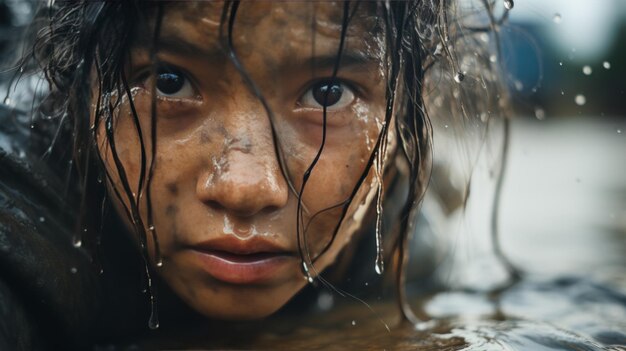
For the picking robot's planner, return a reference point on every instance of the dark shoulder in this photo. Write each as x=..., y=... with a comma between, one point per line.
x=46, y=286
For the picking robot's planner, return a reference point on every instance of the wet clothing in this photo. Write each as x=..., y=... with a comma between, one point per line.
x=52, y=295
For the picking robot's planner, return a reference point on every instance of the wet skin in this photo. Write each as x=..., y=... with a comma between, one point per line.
x=224, y=212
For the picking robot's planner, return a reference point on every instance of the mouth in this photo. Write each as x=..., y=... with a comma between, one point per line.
x=239, y=261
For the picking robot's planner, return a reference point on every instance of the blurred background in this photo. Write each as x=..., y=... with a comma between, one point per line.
x=563, y=201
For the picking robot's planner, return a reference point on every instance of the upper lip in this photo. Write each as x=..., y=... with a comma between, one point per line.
x=237, y=246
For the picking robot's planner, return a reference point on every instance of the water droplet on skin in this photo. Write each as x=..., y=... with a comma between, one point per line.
x=580, y=99
x=540, y=113
x=606, y=65
x=459, y=77
x=74, y=270
x=353, y=322
x=556, y=18
x=508, y=4
x=587, y=70
x=159, y=263
x=151, y=228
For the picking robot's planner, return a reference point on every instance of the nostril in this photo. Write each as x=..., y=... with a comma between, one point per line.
x=214, y=205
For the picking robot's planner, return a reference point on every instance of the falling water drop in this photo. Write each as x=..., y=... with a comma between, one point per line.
x=379, y=265
x=76, y=241
x=580, y=99
x=41, y=219
x=459, y=77
x=508, y=4
x=353, y=322
x=73, y=270
x=557, y=18
x=540, y=113
x=606, y=65
x=307, y=274
x=587, y=70
x=560, y=63
x=153, y=322
x=493, y=58
x=619, y=131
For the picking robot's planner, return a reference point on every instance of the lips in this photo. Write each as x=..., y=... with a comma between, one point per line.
x=237, y=261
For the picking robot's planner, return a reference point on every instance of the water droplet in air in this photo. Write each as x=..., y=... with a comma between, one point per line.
x=540, y=113
x=153, y=323
x=353, y=322
x=459, y=76
x=519, y=86
x=556, y=18
x=325, y=301
x=493, y=58
x=445, y=126
x=508, y=4
x=606, y=65
x=41, y=219
x=587, y=70
x=77, y=242
x=580, y=99
x=74, y=270
x=560, y=63
x=619, y=131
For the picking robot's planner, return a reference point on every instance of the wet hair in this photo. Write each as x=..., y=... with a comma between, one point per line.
x=438, y=54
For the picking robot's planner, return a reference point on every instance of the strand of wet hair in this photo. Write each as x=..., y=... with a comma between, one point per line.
x=514, y=272
x=153, y=136
x=302, y=241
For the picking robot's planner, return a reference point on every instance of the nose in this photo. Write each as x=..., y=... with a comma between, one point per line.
x=245, y=177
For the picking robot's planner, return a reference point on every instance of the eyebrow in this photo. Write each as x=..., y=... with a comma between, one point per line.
x=174, y=44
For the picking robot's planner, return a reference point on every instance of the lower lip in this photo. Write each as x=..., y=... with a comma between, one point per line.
x=242, y=269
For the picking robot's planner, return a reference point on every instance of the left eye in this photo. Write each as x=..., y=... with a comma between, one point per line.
x=330, y=94
x=171, y=82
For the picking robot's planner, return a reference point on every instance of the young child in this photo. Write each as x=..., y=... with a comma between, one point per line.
x=245, y=148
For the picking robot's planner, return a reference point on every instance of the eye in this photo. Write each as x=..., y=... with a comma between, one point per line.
x=332, y=94
x=171, y=82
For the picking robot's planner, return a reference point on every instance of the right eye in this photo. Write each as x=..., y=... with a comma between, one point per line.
x=171, y=82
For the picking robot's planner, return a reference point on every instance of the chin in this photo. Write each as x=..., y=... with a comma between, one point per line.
x=243, y=312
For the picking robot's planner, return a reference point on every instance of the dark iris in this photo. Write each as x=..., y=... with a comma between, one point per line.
x=169, y=81
x=327, y=93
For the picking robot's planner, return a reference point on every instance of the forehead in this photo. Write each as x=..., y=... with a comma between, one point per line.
x=289, y=24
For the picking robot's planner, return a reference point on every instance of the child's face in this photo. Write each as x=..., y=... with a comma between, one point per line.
x=224, y=212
